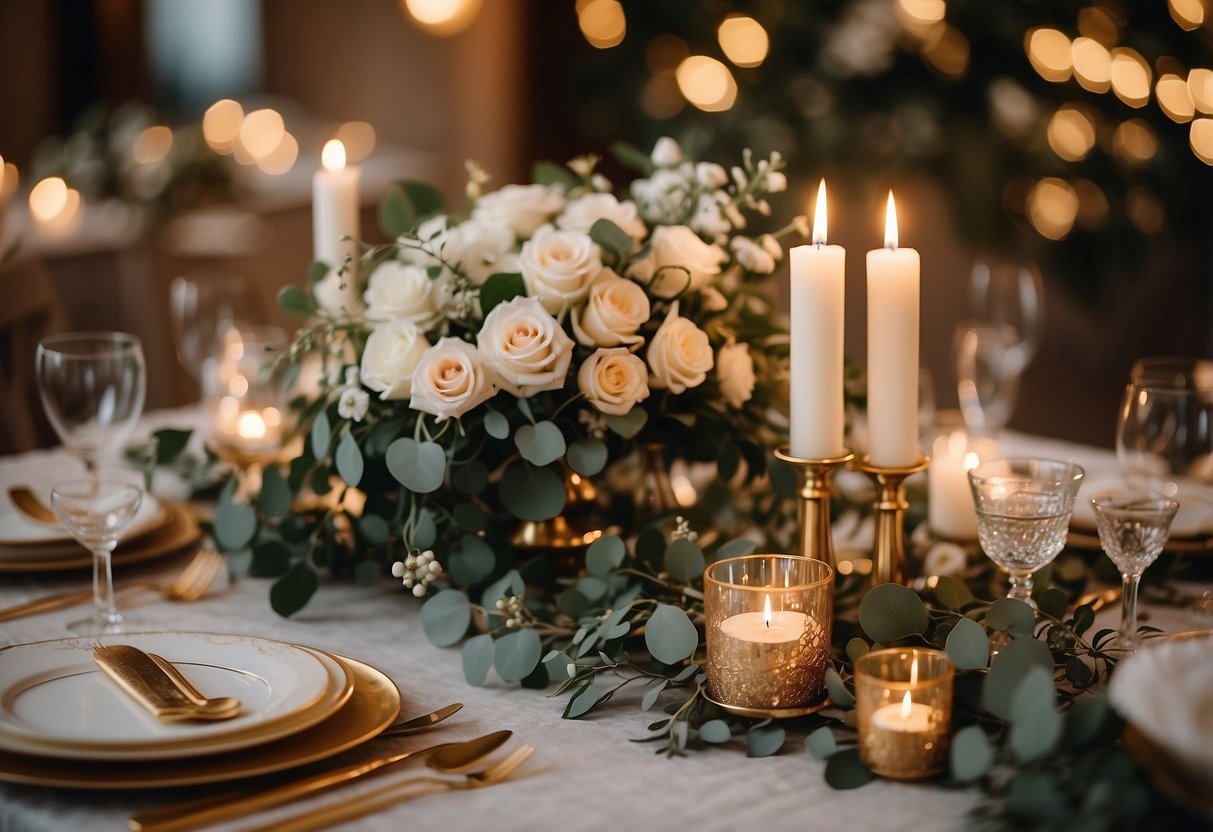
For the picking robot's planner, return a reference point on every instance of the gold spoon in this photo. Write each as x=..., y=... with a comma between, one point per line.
x=28, y=502
x=221, y=707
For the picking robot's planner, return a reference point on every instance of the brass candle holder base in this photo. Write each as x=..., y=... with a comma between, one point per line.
x=813, y=478
x=889, y=543
x=771, y=713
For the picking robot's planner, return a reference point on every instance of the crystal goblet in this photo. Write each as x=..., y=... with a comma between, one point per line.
x=1023, y=513
x=96, y=513
x=1133, y=528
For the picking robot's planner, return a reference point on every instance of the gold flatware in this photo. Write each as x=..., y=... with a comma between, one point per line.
x=190, y=585
x=145, y=682
x=213, y=704
x=395, y=793
x=450, y=757
x=33, y=508
x=420, y=723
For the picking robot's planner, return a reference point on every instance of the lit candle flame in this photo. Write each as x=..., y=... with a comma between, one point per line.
x=971, y=461
x=913, y=675
x=819, y=216
x=890, y=224
x=907, y=706
x=251, y=425
x=333, y=156
x=766, y=612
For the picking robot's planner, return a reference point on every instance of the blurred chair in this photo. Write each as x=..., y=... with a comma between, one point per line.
x=30, y=309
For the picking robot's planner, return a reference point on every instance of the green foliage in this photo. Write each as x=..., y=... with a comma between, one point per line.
x=348, y=458
x=891, y=612
x=235, y=523
x=541, y=443
x=406, y=204
x=292, y=591
x=499, y=288
x=684, y=560
x=445, y=617
x=967, y=645
x=844, y=770
x=532, y=493
x=418, y=466
x=821, y=743
x=764, y=739
x=587, y=456
x=715, y=731
x=550, y=173
x=295, y=302
x=669, y=635
x=971, y=754
x=516, y=654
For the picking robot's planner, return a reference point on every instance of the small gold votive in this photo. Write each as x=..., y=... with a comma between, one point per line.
x=768, y=620
x=903, y=697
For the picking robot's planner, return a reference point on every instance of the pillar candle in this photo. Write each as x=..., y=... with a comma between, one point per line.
x=816, y=406
x=892, y=350
x=335, y=207
x=950, y=509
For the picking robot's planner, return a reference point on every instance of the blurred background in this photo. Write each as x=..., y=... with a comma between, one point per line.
x=1051, y=159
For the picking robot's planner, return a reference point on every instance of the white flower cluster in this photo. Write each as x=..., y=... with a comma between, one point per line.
x=683, y=223
x=418, y=571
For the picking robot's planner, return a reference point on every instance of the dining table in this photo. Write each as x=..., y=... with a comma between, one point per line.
x=586, y=773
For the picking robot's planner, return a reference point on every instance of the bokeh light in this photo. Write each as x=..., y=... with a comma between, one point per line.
x=1092, y=64
x=602, y=22
x=221, y=124
x=919, y=16
x=282, y=158
x=947, y=50
x=1134, y=142
x=1050, y=53
x=1052, y=207
x=706, y=83
x=664, y=53
x=1189, y=14
x=1092, y=205
x=358, y=138
x=1100, y=24
x=1145, y=210
x=1130, y=77
x=1071, y=133
x=743, y=40
x=660, y=98
x=442, y=17
x=260, y=133
x=48, y=198
x=1201, y=139
x=1200, y=85
x=1174, y=98
x=153, y=145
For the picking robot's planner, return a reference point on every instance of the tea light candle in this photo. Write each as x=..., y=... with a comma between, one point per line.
x=766, y=627
x=950, y=509
x=904, y=714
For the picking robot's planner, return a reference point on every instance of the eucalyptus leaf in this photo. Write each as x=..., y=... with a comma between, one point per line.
x=445, y=617
x=170, y=442
x=418, y=466
x=544, y=172
x=271, y=558
x=317, y=271
x=611, y=237
x=470, y=477
x=496, y=424
x=587, y=456
x=629, y=424
x=844, y=770
x=425, y=532
x=292, y=591
x=890, y=612
x=516, y=654
x=469, y=517
x=604, y=555
x=669, y=634
x=582, y=701
x=1085, y=718
x=650, y=695
x=1052, y=602
x=275, y=497
x=509, y=584
x=684, y=560
x=1012, y=615
x=821, y=743
x=294, y=301
x=967, y=645
x=1036, y=796
x=839, y=695
x=632, y=157
x=366, y=573
x=477, y=658
x=856, y=647
x=499, y=288
x=952, y=593
x=348, y=458
x=1035, y=721
x=374, y=529
x=320, y=435
x=591, y=587
x=541, y=443
x=572, y=603
x=471, y=561
x=736, y=548
x=531, y=493
x=235, y=525
x=715, y=731
x=764, y=740
x=1008, y=670
x=971, y=754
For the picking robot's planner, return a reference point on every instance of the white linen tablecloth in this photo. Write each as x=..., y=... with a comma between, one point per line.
x=585, y=774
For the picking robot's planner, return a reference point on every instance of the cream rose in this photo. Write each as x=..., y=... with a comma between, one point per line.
x=450, y=380
x=735, y=373
x=679, y=354
x=557, y=267
x=613, y=380
x=581, y=214
x=677, y=252
x=482, y=249
x=525, y=347
x=402, y=292
x=390, y=358
x=614, y=310
x=522, y=208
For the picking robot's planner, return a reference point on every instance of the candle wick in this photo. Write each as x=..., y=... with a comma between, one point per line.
x=820, y=244
x=768, y=623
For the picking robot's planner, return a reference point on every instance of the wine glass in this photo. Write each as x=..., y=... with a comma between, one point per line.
x=1164, y=443
x=92, y=385
x=1133, y=529
x=1023, y=513
x=96, y=513
x=1012, y=295
x=989, y=363
x=204, y=309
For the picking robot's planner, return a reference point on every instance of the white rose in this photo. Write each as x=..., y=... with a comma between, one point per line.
x=581, y=214
x=612, y=314
x=450, y=380
x=483, y=249
x=752, y=257
x=524, y=346
x=557, y=267
x=613, y=380
x=945, y=559
x=676, y=248
x=522, y=208
x=402, y=292
x=735, y=373
x=679, y=354
x=389, y=358
x=666, y=153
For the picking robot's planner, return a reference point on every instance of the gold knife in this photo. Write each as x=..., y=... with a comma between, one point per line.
x=146, y=682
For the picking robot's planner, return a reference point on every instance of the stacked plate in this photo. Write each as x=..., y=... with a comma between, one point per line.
x=60, y=715
x=26, y=545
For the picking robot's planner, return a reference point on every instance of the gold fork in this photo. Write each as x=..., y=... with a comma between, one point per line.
x=190, y=585
x=389, y=795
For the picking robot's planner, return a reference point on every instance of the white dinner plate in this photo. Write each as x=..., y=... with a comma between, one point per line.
x=1194, y=518
x=18, y=531
x=55, y=701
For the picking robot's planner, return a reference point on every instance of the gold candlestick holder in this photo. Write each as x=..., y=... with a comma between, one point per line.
x=813, y=478
x=889, y=539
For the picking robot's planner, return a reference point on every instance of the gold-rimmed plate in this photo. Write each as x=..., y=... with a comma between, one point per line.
x=54, y=701
x=19, y=532
x=374, y=705
x=179, y=533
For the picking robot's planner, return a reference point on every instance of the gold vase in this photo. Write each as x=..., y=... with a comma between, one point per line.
x=565, y=536
x=656, y=497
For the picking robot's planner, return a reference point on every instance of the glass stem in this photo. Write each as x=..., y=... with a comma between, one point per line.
x=1021, y=587
x=91, y=469
x=1128, y=611
x=103, y=586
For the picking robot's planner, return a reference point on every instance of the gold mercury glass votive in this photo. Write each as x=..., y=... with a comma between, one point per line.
x=768, y=621
x=903, y=697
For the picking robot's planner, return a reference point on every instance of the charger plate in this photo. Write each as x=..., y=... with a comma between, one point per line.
x=55, y=701
x=18, y=531
x=178, y=533
x=373, y=706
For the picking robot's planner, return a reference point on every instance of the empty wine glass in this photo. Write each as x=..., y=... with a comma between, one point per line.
x=1133, y=529
x=989, y=363
x=1023, y=513
x=96, y=513
x=92, y=385
x=204, y=309
x=1009, y=294
x=1164, y=444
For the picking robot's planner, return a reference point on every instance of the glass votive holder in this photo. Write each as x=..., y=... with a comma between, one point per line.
x=249, y=401
x=768, y=620
x=903, y=697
